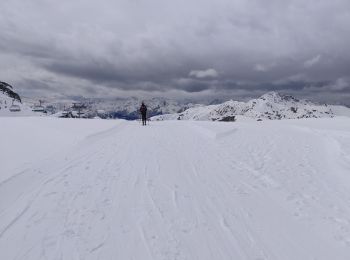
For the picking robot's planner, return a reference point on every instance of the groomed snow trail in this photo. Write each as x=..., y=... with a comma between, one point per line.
x=186, y=190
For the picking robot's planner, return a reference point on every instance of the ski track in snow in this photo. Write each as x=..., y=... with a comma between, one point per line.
x=186, y=190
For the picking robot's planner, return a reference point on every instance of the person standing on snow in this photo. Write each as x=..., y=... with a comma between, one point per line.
x=143, y=111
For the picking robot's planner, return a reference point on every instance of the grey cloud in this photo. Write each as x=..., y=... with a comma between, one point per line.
x=313, y=61
x=208, y=73
x=89, y=48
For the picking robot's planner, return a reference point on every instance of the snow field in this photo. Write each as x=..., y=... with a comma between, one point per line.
x=177, y=190
x=28, y=140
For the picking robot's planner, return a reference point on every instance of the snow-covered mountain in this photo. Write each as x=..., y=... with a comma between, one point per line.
x=271, y=105
x=125, y=108
x=128, y=108
x=11, y=103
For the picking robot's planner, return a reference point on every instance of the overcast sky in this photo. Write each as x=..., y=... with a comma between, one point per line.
x=183, y=48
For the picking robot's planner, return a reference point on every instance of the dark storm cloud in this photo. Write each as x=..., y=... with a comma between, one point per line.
x=103, y=71
x=224, y=47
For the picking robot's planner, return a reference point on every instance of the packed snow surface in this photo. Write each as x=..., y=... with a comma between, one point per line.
x=95, y=189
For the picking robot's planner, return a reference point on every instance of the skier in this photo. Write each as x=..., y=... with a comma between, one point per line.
x=143, y=111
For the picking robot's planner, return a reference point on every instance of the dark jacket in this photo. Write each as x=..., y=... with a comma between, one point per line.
x=143, y=110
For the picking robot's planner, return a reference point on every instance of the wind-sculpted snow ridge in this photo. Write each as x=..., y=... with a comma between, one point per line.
x=269, y=106
x=176, y=190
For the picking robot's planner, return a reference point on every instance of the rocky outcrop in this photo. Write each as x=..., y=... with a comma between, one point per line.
x=7, y=89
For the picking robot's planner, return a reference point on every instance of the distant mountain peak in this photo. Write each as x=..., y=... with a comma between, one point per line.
x=272, y=94
x=277, y=97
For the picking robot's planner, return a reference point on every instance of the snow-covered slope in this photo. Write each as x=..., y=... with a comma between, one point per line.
x=177, y=190
x=26, y=141
x=11, y=103
x=269, y=106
